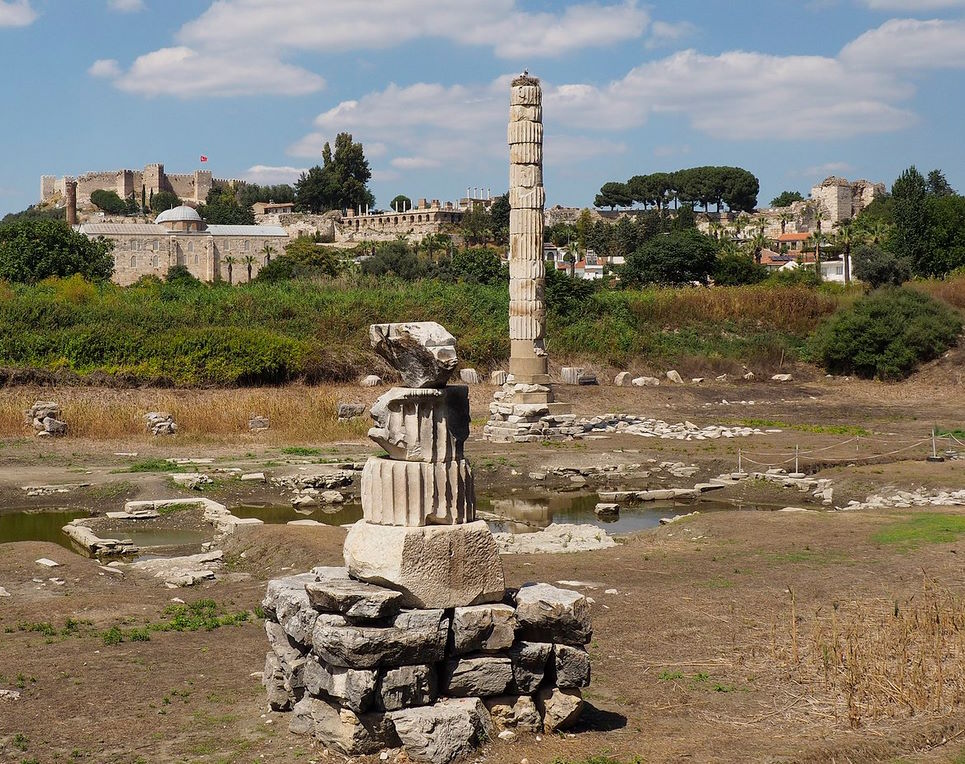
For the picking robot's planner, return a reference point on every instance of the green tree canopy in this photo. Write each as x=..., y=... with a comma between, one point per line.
x=733, y=186
x=737, y=269
x=499, y=212
x=108, y=201
x=676, y=258
x=341, y=182
x=32, y=250
x=478, y=265
x=35, y=212
x=164, y=200
x=878, y=266
x=938, y=185
x=911, y=225
x=400, y=203
x=477, y=225
x=249, y=193
x=613, y=195
x=222, y=207
x=786, y=199
x=303, y=258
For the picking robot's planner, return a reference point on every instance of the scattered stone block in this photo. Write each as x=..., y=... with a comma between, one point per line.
x=570, y=375
x=445, y=731
x=47, y=563
x=674, y=376
x=645, y=382
x=749, y=376
x=347, y=411
x=9, y=695
x=54, y=427
x=782, y=378
x=606, y=509
x=587, y=378
x=407, y=687
x=258, y=423
x=498, y=378
x=253, y=477
x=622, y=379
x=485, y=628
x=559, y=708
x=160, y=423
x=697, y=380
x=550, y=614
x=372, y=380
x=470, y=376
x=514, y=712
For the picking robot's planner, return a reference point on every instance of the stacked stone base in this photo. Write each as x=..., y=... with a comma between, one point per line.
x=523, y=413
x=359, y=673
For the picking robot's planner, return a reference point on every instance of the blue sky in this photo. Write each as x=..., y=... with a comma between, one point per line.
x=793, y=90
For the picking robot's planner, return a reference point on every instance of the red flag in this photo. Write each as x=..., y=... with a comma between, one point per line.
x=204, y=158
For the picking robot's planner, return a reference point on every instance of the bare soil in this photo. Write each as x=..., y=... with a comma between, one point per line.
x=693, y=656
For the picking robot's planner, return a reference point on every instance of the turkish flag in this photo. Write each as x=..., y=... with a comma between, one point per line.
x=204, y=158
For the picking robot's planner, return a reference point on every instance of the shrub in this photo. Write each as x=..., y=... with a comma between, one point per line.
x=164, y=200
x=676, y=258
x=737, y=270
x=179, y=274
x=108, y=201
x=34, y=249
x=886, y=335
x=880, y=267
x=479, y=265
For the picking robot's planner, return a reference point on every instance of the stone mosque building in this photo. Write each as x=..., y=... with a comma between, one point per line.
x=180, y=237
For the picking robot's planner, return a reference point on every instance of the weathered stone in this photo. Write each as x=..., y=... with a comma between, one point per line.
x=559, y=708
x=444, y=731
x=41, y=410
x=515, y=712
x=434, y=566
x=372, y=380
x=337, y=593
x=407, y=687
x=530, y=660
x=587, y=378
x=645, y=382
x=423, y=352
x=606, y=509
x=480, y=676
x=622, y=379
x=354, y=688
x=415, y=493
x=331, y=497
x=287, y=601
x=487, y=628
x=346, y=411
x=498, y=378
x=416, y=424
x=352, y=734
x=550, y=614
x=54, y=426
x=470, y=376
x=273, y=679
x=413, y=636
x=258, y=423
x=570, y=375
x=674, y=376
x=281, y=644
x=572, y=666
x=782, y=378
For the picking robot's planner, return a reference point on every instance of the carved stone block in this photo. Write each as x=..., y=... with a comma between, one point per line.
x=427, y=425
x=418, y=493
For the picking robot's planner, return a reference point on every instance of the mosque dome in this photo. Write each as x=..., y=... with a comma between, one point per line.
x=181, y=214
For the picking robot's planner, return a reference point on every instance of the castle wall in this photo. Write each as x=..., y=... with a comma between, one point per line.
x=414, y=224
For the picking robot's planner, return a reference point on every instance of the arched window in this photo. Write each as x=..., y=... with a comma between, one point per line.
x=190, y=246
x=195, y=259
x=156, y=245
x=244, y=246
x=157, y=262
x=134, y=261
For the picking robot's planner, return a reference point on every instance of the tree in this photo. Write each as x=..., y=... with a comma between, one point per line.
x=849, y=235
x=676, y=258
x=341, y=182
x=499, y=212
x=477, y=224
x=396, y=258
x=786, y=199
x=818, y=219
x=36, y=212
x=179, y=274
x=785, y=218
x=304, y=258
x=434, y=242
x=911, y=224
x=249, y=262
x=230, y=262
x=613, y=195
x=164, y=200
x=478, y=265
x=267, y=250
x=736, y=269
x=946, y=233
x=758, y=243
x=222, y=207
x=878, y=267
x=34, y=249
x=108, y=201
x=938, y=185
x=401, y=203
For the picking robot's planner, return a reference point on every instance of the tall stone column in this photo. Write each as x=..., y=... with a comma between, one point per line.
x=70, y=186
x=527, y=271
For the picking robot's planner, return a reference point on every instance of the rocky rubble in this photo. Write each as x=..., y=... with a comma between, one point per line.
x=160, y=423
x=905, y=499
x=556, y=538
x=359, y=674
x=315, y=490
x=44, y=417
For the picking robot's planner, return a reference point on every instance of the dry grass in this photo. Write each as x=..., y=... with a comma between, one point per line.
x=866, y=662
x=951, y=290
x=297, y=413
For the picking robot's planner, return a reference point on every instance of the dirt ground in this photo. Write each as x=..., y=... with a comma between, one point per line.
x=714, y=646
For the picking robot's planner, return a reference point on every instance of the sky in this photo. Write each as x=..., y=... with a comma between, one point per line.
x=792, y=90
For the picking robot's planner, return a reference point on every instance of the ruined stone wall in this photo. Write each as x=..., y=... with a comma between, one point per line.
x=414, y=225
x=836, y=201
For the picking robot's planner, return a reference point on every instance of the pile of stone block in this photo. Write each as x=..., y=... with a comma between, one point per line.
x=258, y=423
x=416, y=642
x=160, y=423
x=361, y=673
x=44, y=417
x=520, y=413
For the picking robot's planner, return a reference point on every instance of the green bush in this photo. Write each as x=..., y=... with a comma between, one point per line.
x=35, y=249
x=108, y=201
x=880, y=267
x=886, y=335
x=164, y=200
x=737, y=270
x=676, y=258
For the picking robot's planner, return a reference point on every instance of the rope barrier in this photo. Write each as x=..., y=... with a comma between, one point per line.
x=749, y=457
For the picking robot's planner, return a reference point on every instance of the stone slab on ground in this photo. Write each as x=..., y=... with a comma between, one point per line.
x=559, y=708
x=442, y=732
x=550, y=614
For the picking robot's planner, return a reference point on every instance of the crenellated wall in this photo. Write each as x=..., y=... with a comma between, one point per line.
x=190, y=187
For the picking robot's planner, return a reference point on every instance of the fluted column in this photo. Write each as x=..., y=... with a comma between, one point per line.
x=527, y=271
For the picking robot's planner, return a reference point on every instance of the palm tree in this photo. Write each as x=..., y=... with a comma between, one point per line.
x=849, y=235
x=785, y=218
x=819, y=216
x=267, y=251
x=716, y=229
x=431, y=243
x=249, y=261
x=878, y=232
x=230, y=262
x=758, y=243
x=740, y=224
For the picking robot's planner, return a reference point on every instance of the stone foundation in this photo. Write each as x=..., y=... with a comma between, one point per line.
x=360, y=673
x=522, y=413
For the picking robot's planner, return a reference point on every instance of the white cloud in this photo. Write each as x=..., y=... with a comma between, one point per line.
x=909, y=44
x=16, y=13
x=822, y=171
x=186, y=73
x=911, y=6
x=268, y=175
x=104, y=67
x=126, y=6
x=665, y=33
x=364, y=24
x=670, y=150
x=414, y=163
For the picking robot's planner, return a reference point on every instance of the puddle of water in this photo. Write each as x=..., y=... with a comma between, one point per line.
x=531, y=514
x=145, y=536
x=38, y=525
x=278, y=514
